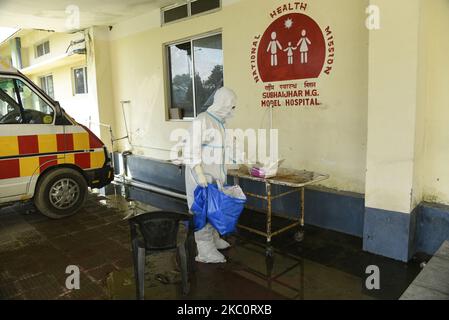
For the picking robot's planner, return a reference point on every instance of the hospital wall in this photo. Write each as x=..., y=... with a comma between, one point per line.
x=329, y=139
x=101, y=83
x=58, y=43
x=432, y=220
x=60, y=65
x=5, y=55
x=425, y=44
x=436, y=152
x=77, y=106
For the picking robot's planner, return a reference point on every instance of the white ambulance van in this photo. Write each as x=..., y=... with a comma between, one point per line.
x=45, y=155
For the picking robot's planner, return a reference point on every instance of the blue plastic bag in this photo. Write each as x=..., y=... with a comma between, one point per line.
x=199, y=208
x=219, y=209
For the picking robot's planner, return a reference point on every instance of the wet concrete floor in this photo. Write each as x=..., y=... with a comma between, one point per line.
x=35, y=252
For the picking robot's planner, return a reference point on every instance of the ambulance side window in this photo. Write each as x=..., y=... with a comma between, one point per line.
x=9, y=106
x=35, y=109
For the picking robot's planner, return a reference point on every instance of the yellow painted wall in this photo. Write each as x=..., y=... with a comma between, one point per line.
x=402, y=116
x=82, y=107
x=59, y=43
x=102, y=86
x=393, y=68
x=420, y=125
x=408, y=137
x=78, y=106
x=5, y=54
x=330, y=139
x=436, y=84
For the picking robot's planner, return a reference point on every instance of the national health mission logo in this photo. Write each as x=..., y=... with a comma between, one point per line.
x=293, y=50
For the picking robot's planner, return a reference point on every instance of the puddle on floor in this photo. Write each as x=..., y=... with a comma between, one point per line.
x=309, y=271
x=326, y=265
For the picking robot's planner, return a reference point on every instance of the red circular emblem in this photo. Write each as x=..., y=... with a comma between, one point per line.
x=292, y=47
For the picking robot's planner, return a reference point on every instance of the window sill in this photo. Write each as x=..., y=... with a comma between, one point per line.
x=181, y=120
x=163, y=24
x=42, y=56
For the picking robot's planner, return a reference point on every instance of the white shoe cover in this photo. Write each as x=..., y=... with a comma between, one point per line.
x=207, y=252
x=220, y=244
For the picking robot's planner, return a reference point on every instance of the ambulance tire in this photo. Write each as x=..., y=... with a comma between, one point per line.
x=42, y=195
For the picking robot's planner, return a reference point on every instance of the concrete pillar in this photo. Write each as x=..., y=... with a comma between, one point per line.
x=16, y=52
x=100, y=83
x=393, y=106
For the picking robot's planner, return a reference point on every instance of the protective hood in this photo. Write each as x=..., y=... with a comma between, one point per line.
x=224, y=100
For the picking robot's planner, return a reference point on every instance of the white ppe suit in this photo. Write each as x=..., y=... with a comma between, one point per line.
x=207, y=162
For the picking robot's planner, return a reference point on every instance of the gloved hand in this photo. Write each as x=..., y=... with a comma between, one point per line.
x=200, y=177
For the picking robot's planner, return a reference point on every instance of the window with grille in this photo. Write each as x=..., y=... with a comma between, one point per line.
x=46, y=84
x=42, y=49
x=80, y=81
x=188, y=8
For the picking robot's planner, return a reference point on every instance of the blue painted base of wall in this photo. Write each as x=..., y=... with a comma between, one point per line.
x=334, y=210
x=432, y=227
x=330, y=209
x=391, y=234
x=400, y=236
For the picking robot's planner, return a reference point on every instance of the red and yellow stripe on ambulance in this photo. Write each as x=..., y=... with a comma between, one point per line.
x=31, y=154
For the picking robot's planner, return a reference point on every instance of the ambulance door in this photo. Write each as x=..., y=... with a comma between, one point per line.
x=28, y=136
x=11, y=183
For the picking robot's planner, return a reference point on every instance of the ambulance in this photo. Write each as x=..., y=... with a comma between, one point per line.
x=45, y=155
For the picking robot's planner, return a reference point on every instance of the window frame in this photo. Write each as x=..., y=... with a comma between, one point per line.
x=52, y=80
x=36, y=56
x=189, y=11
x=15, y=101
x=167, y=72
x=86, y=86
x=33, y=88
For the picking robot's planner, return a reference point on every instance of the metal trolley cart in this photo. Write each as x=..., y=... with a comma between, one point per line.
x=295, y=179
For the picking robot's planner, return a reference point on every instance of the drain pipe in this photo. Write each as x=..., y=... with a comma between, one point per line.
x=149, y=187
x=125, y=156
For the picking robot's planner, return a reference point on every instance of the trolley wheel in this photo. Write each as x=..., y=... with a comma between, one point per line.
x=269, y=251
x=299, y=236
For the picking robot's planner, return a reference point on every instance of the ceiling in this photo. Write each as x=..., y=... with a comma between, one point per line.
x=60, y=15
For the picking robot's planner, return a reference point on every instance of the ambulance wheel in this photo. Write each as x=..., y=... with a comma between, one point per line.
x=60, y=193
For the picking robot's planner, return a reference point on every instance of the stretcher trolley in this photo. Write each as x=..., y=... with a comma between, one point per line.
x=295, y=179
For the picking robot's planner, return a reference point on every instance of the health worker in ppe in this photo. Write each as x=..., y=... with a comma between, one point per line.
x=208, y=166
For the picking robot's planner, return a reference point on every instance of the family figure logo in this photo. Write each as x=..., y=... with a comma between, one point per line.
x=303, y=45
x=293, y=48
